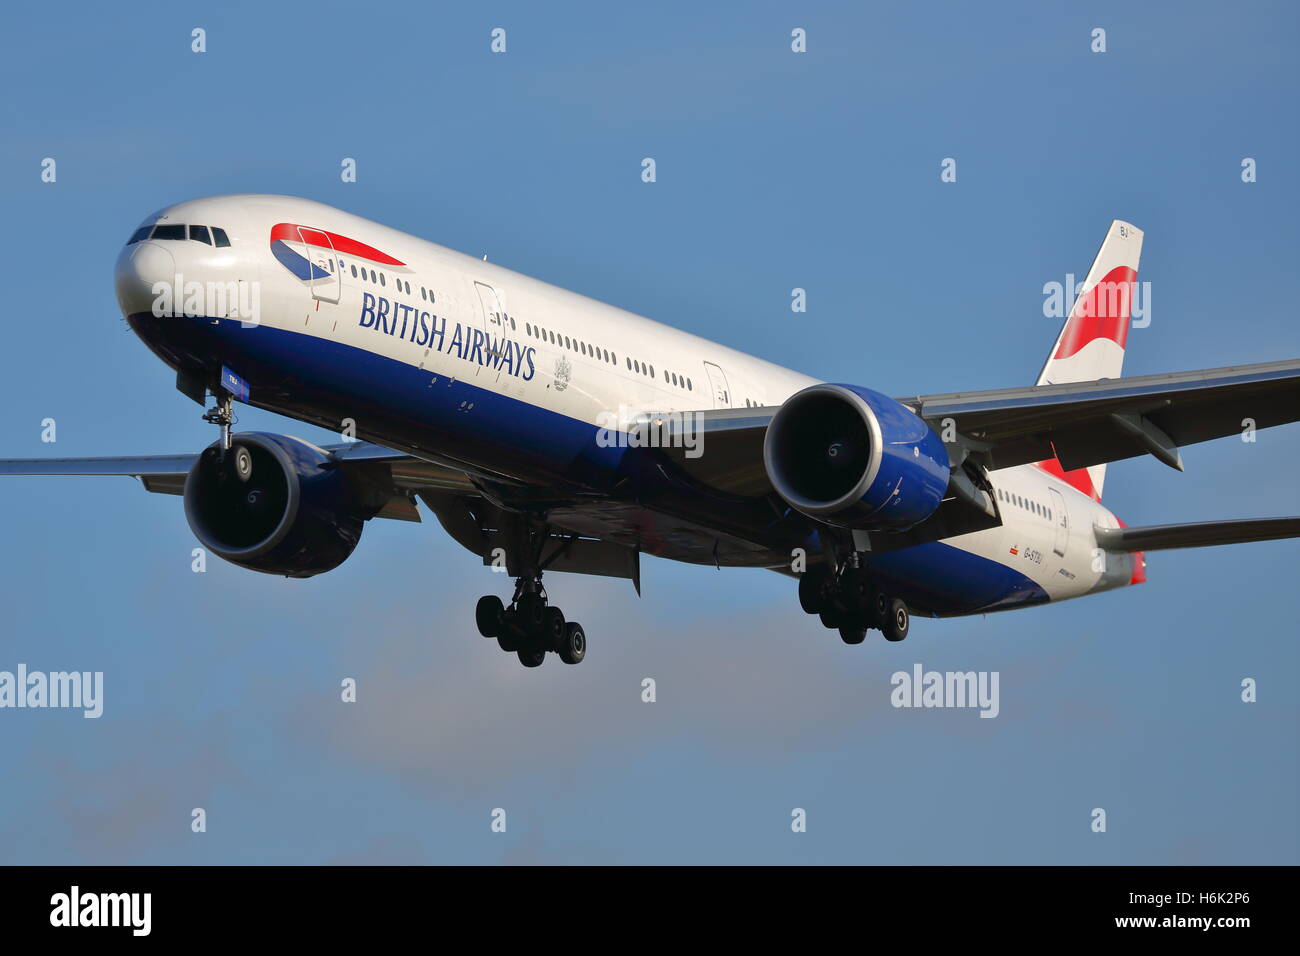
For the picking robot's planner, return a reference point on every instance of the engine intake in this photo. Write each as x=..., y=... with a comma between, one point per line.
x=274, y=504
x=852, y=457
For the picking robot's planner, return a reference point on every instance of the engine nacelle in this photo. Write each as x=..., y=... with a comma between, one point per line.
x=854, y=458
x=274, y=504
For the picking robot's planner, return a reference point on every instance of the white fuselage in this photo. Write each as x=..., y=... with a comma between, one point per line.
x=569, y=355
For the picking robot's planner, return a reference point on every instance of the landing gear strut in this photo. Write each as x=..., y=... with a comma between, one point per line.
x=530, y=625
x=846, y=598
x=223, y=415
x=237, y=461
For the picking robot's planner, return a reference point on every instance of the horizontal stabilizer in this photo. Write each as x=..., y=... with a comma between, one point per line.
x=1200, y=534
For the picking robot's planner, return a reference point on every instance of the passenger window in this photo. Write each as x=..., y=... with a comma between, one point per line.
x=169, y=232
x=382, y=281
x=140, y=235
x=354, y=272
x=219, y=238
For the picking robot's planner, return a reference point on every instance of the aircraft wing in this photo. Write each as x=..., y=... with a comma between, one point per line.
x=1199, y=534
x=165, y=474
x=1090, y=423
x=1081, y=424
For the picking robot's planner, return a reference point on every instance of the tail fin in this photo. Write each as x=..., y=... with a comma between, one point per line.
x=1091, y=343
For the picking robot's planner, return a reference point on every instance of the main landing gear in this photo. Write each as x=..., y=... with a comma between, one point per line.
x=530, y=626
x=849, y=601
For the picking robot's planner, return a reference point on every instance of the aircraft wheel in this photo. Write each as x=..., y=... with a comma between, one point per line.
x=552, y=630
x=573, y=646
x=852, y=634
x=529, y=613
x=243, y=463
x=487, y=615
x=811, y=585
x=896, y=622
x=830, y=618
x=531, y=658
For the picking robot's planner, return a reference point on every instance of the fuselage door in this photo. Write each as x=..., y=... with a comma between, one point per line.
x=494, y=321
x=718, y=383
x=493, y=317
x=324, y=264
x=1060, y=523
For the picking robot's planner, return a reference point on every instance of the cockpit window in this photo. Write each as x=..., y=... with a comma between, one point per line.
x=215, y=237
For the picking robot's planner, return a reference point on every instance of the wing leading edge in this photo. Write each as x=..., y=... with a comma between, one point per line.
x=1200, y=534
x=165, y=474
x=1080, y=423
x=1091, y=423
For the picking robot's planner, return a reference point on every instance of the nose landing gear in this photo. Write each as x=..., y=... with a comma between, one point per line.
x=530, y=625
x=222, y=414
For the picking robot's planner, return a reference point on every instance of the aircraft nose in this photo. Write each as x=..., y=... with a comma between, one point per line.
x=139, y=267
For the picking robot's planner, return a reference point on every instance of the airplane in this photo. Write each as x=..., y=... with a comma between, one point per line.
x=547, y=431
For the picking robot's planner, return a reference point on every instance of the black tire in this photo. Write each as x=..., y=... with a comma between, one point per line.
x=551, y=634
x=879, y=610
x=573, y=647
x=531, y=658
x=528, y=614
x=810, y=589
x=830, y=618
x=241, y=463
x=487, y=615
x=857, y=593
x=852, y=634
x=508, y=641
x=897, y=623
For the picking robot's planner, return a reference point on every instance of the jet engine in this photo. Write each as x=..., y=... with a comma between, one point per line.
x=854, y=458
x=276, y=504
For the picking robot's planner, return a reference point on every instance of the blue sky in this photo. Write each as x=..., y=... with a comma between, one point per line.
x=775, y=170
